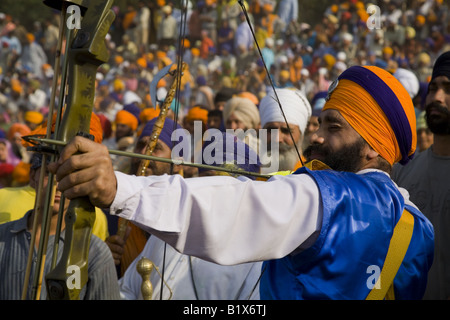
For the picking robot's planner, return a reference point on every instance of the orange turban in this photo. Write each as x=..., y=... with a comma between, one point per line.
x=284, y=74
x=329, y=60
x=148, y=114
x=95, y=129
x=34, y=117
x=21, y=173
x=420, y=19
x=30, y=37
x=388, y=50
x=127, y=118
x=195, y=52
x=268, y=7
x=186, y=43
x=160, y=54
x=250, y=96
x=118, y=59
x=379, y=108
x=18, y=128
x=118, y=85
x=142, y=62
x=16, y=86
x=197, y=113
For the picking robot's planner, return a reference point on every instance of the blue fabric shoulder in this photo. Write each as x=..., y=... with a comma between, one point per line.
x=360, y=212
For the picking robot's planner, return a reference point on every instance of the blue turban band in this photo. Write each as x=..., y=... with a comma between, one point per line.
x=232, y=147
x=166, y=132
x=388, y=102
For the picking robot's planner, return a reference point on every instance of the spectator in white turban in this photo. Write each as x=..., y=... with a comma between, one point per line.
x=409, y=80
x=297, y=110
x=242, y=113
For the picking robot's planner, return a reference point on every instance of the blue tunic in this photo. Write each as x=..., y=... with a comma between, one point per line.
x=360, y=212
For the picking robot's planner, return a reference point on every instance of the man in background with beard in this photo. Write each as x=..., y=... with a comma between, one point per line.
x=297, y=111
x=427, y=177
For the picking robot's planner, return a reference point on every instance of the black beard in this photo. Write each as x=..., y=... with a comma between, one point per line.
x=438, y=124
x=347, y=158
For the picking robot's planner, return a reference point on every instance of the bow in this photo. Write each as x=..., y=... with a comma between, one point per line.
x=85, y=53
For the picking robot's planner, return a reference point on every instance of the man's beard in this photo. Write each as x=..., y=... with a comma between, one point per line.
x=348, y=158
x=287, y=157
x=438, y=124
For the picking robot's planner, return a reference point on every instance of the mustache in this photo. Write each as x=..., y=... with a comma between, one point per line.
x=437, y=106
x=316, y=148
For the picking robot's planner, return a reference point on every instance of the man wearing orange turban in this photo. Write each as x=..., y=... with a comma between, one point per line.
x=126, y=124
x=386, y=122
x=343, y=233
x=197, y=113
x=95, y=129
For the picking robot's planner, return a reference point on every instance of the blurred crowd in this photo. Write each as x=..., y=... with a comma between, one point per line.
x=223, y=61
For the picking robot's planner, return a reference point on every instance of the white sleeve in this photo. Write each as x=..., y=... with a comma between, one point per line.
x=223, y=219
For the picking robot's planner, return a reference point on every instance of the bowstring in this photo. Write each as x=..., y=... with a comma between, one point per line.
x=178, y=75
x=244, y=10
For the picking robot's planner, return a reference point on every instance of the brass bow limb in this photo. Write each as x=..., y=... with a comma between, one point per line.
x=38, y=200
x=156, y=131
x=159, y=124
x=87, y=51
x=33, y=238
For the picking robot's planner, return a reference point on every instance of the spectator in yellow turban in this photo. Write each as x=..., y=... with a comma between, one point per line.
x=329, y=61
x=33, y=119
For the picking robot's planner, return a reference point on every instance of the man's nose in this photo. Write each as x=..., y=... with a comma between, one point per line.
x=316, y=138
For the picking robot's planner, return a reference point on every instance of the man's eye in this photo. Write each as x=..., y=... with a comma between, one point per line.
x=334, y=128
x=447, y=88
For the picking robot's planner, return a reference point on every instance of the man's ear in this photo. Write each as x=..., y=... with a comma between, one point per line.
x=371, y=154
